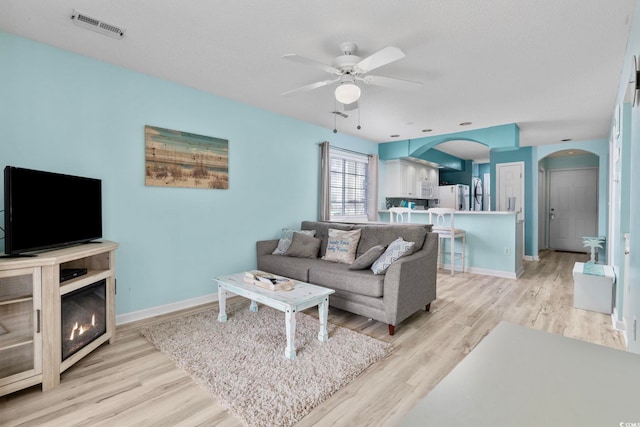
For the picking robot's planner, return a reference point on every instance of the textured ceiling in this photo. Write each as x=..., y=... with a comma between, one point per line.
x=552, y=67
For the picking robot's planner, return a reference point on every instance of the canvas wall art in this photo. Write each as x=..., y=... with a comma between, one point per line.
x=182, y=159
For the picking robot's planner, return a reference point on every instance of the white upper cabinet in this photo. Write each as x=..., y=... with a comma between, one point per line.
x=411, y=180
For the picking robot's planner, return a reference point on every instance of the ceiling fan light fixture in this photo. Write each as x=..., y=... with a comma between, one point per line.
x=347, y=93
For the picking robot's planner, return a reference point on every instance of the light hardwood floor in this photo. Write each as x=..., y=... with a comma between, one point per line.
x=131, y=383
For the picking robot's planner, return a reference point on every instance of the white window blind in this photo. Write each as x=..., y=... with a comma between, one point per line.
x=348, y=186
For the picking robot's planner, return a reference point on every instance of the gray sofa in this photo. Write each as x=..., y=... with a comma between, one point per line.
x=409, y=284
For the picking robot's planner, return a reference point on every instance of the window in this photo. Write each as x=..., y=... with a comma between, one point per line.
x=348, y=186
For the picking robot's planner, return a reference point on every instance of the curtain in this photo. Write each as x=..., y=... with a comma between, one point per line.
x=372, y=188
x=325, y=194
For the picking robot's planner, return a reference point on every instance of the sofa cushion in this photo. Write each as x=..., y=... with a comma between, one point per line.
x=285, y=239
x=303, y=246
x=367, y=259
x=322, y=231
x=293, y=268
x=342, y=245
x=396, y=250
x=337, y=276
x=373, y=235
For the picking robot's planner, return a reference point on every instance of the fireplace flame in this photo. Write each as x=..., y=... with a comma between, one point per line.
x=73, y=332
x=81, y=329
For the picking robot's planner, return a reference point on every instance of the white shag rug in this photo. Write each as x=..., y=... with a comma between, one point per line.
x=241, y=362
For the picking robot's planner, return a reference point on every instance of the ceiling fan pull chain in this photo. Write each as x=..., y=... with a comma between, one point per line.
x=335, y=108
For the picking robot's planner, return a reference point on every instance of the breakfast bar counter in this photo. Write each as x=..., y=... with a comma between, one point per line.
x=494, y=240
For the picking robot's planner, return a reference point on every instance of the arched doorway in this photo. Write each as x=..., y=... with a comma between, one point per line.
x=567, y=199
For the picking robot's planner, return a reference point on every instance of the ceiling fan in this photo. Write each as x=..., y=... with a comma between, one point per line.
x=349, y=68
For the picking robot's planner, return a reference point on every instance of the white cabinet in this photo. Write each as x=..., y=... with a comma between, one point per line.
x=411, y=180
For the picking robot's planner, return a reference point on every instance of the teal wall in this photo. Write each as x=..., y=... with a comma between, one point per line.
x=621, y=199
x=463, y=176
x=496, y=137
x=66, y=113
x=570, y=162
x=630, y=191
x=484, y=247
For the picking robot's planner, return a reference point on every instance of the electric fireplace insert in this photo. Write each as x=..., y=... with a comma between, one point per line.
x=84, y=317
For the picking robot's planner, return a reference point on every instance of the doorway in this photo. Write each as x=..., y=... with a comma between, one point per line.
x=573, y=207
x=510, y=188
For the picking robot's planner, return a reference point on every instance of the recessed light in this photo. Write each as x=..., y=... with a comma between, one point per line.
x=394, y=136
x=566, y=140
x=427, y=130
x=465, y=123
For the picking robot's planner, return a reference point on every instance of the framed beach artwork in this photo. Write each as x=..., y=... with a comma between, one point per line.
x=182, y=159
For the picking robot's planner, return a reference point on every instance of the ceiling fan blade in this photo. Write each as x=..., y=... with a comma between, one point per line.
x=382, y=57
x=351, y=107
x=306, y=61
x=309, y=87
x=391, y=82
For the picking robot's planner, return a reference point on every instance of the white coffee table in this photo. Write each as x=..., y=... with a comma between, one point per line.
x=302, y=296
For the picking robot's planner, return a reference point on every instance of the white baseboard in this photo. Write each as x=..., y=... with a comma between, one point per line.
x=531, y=258
x=121, y=319
x=620, y=325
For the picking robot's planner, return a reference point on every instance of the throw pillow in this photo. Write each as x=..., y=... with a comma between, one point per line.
x=396, y=250
x=303, y=246
x=285, y=239
x=366, y=259
x=342, y=245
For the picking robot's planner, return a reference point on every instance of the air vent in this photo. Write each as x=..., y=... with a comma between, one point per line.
x=97, y=25
x=340, y=113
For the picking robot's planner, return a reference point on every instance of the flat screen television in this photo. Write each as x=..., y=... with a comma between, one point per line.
x=45, y=210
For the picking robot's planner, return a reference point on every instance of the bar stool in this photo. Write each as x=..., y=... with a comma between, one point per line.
x=399, y=214
x=443, y=225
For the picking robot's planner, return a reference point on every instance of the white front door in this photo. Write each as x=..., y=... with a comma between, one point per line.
x=573, y=208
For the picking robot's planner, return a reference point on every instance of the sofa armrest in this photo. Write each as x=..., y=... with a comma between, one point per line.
x=410, y=282
x=266, y=247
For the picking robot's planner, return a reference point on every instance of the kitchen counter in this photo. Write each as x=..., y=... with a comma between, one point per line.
x=494, y=240
x=424, y=211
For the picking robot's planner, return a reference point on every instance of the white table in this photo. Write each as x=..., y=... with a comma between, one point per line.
x=528, y=378
x=302, y=296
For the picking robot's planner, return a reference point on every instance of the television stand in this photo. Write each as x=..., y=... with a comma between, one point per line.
x=32, y=307
x=18, y=255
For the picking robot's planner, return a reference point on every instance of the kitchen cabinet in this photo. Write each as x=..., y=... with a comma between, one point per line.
x=411, y=180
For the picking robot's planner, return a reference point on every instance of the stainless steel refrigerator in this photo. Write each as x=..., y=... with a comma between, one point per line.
x=454, y=197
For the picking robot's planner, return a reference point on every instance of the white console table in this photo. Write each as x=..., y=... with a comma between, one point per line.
x=524, y=377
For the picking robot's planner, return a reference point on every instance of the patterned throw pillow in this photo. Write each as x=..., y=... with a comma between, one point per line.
x=285, y=240
x=342, y=245
x=366, y=259
x=396, y=250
